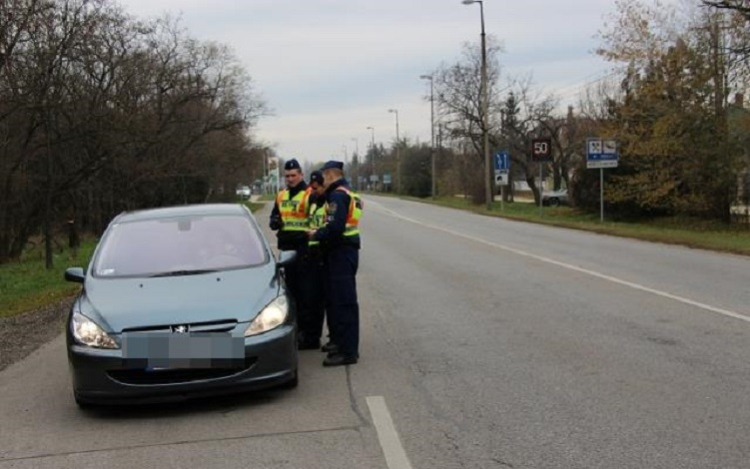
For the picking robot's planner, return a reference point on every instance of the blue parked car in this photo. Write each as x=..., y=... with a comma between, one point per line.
x=180, y=302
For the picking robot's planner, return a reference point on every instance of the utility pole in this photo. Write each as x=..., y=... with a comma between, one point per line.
x=374, y=166
x=265, y=172
x=432, y=130
x=485, y=121
x=398, y=152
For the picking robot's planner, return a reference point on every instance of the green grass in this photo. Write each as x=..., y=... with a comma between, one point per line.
x=26, y=284
x=268, y=197
x=254, y=207
x=682, y=231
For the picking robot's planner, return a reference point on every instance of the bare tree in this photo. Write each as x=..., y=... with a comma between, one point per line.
x=459, y=102
x=740, y=6
x=101, y=113
x=528, y=114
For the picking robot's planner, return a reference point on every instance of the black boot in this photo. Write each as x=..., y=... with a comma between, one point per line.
x=307, y=343
x=329, y=347
x=339, y=359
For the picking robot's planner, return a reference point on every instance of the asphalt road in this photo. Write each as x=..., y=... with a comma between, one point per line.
x=486, y=343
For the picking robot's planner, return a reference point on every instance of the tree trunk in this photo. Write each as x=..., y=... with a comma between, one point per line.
x=49, y=262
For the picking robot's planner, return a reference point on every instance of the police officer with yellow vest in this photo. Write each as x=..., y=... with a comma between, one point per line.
x=289, y=218
x=313, y=265
x=340, y=241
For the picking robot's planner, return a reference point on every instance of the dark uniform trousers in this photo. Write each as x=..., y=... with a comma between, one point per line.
x=294, y=277
x=312, y=293
x=341, y=298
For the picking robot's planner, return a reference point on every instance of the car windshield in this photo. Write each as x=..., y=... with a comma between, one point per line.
x=179, y=246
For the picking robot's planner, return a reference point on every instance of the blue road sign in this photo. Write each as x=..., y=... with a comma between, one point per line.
x=601, y=153
x=502, y=161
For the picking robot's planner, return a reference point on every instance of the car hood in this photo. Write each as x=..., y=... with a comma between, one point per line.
x=128, y=303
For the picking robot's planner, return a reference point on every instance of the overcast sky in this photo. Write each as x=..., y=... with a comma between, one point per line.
x=330, y=68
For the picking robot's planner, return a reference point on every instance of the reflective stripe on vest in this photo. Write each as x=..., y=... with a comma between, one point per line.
x=354, y=213
x=293, y=211
x=317, y=219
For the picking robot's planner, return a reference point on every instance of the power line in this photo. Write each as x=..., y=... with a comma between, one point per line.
x=572, y=90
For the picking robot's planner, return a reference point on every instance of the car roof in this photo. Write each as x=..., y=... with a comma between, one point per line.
x=183, y=211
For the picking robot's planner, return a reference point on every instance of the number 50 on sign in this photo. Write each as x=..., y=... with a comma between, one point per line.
x=541, y=149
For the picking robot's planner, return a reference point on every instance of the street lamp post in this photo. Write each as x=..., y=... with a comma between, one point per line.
x=432, y=130
x=265, y=171
x=398, y=152
x=485, y=113
x=372, y=145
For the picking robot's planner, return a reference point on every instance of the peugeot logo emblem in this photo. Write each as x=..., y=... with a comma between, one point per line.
x=182, y=329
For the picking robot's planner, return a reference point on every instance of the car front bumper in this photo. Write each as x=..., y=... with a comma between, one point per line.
x=103, y=376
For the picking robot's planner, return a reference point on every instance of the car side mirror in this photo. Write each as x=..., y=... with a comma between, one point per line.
x=75, y=274
x=285, y=258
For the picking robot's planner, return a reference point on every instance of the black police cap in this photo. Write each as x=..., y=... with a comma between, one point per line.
x=316, y=176
x=292, y=164
x=332, y=164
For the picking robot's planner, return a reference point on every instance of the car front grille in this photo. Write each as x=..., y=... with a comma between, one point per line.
x=223, y=325
x=141, y=376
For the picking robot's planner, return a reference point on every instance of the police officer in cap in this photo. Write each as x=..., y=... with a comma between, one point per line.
x=311, y=324
x=340, y=240
x=289, y=218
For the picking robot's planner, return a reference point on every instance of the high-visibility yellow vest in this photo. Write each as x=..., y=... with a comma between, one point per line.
x=354, y=213
x=317, y=218
x=293, y=210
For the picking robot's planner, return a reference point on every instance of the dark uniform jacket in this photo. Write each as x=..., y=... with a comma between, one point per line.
x=332, y=234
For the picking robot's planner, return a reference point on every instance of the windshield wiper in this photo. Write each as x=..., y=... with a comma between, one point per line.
x=177, y=273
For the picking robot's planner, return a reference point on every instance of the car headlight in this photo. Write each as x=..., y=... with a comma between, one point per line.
x=87, y=332
x=271, y=317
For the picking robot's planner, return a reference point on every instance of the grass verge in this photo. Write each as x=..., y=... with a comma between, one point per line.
x=254, y=207
x=673, y=230
x=26, y=284
x=267, y=197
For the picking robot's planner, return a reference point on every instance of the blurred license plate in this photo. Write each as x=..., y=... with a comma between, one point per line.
x=160, y=351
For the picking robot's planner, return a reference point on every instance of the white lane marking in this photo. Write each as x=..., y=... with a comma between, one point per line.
x=395, y=456
x=609, y=278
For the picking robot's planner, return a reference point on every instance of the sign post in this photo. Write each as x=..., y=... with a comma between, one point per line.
x=502, y=167
x=541, y=152
x=601, y=154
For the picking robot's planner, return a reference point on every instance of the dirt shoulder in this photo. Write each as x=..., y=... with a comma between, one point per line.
x=22, y=334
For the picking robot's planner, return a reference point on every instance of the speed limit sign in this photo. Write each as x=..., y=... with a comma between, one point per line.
x=541, y=149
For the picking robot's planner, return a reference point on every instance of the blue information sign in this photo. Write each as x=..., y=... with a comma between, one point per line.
x=601, y=153
x=502, y=161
